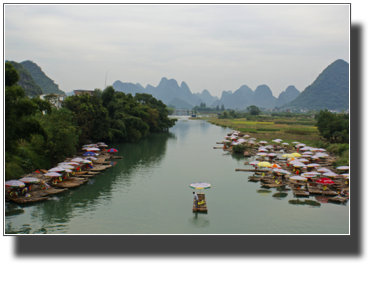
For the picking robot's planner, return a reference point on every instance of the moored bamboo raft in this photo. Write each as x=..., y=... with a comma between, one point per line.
x=35, y=196
x=93, y=172
x=71, y=183
x=255, y=178
x=272, y=185
x=217, y=147
x=80, y=172
x=202, y=207
x=339, y=199
x=100, y=167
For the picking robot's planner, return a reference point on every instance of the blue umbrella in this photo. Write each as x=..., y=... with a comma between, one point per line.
x=89, y=154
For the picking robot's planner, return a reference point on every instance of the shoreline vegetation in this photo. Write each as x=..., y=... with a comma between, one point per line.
x=302, y=128
x=40, y=135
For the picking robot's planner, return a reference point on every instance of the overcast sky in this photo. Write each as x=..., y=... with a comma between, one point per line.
x=213, y=47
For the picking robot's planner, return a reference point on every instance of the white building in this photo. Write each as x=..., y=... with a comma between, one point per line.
x=55, y=99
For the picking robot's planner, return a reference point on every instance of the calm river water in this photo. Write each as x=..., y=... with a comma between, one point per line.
x=147, y=192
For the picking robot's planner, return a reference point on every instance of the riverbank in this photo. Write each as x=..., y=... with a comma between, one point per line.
x=307, y=171
x=74, y=171
x=288, y=129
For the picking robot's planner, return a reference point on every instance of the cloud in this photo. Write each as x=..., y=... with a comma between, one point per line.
x=217, y=47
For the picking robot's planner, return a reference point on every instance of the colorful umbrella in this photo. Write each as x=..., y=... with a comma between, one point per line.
x=200, y=185
x=29, y=180
x=112, y=150
x=254, y=163
x=297, y=177
x=264, y=164
x=275, y=166
x=326, y=181
x=87, y=154
x=14, y=183
x=92, y=149
x=296, y=155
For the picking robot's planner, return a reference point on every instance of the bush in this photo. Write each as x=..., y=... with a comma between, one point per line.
x=239, y=148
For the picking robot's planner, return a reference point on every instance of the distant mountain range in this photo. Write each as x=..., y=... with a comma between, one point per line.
x=170, y=93
x=330, y=90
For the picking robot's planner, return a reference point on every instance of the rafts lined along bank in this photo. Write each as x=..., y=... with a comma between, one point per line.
x=307, y=171
x=73, y=172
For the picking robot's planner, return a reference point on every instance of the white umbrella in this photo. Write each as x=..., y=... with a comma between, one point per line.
x=297, y=177
x=323, y=170
x=330, y=174
x=343, y=168
x=313, y=165
x=65, y=166
x=52, y=174
x=57, y=169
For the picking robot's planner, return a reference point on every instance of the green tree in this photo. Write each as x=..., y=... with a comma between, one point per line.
x=90, y=116
x=253, y=110
x=333, y=127
x=225, y=114
x=62, y=135
x=19, y=112
x=222, y=108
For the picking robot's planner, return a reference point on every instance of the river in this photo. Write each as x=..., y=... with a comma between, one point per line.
x=147, y=192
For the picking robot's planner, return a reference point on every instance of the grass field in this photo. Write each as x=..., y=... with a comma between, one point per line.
x=287, y=129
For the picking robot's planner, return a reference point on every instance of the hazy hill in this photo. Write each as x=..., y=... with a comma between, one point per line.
x=46, y=84
x=207, y=97
x=264, y=97
x=26, y=81
x=286, y=96
x=128, y=87
x=240, y=99
x=330, y=90
x=167, y=90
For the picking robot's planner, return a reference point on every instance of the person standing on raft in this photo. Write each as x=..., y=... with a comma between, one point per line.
x=195, y=197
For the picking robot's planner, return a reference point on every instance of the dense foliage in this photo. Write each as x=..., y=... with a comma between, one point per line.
x=39, y=136
x=333, y=127
x=253, y=110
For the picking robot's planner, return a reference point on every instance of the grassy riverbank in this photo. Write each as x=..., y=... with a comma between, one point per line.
x=289, y=129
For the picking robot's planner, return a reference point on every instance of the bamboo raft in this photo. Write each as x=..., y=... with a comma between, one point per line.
x=299, y=192
x=339, y=199
x=201, y=208
x=253, y=170
x=36, y=196
x=272, y=185
x=71, y=183
x=100, y=167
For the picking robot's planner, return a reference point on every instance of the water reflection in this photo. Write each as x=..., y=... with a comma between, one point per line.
x=54, y=214
x=263, y=192
x=199, y=221
x=311, y=203
x=279, y=195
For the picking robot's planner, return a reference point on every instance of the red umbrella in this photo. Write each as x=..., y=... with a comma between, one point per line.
x=112, y=150
x=326, y=181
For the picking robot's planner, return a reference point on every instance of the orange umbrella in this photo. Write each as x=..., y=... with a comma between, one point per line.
x=275, y=166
